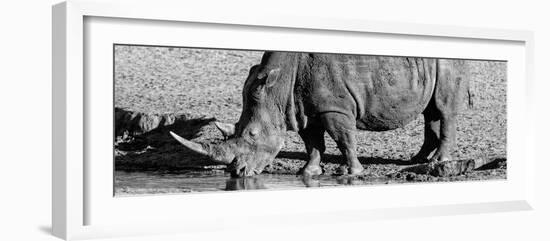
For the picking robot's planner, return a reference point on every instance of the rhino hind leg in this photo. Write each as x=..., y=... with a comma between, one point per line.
x=439, y=135
x=342, y=129
x=313, y=137
x=432, y=126
x=447, y=140
x=441, y=114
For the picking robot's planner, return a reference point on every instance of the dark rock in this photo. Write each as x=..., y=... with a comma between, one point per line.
x=136, y=130
x=452, y=168
x=410, y=176
x=137, y=123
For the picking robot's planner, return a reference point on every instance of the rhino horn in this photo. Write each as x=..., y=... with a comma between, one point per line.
x=221, y=154
x=226, y=129
x=196, y=147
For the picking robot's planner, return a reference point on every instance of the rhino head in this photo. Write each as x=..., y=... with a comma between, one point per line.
x=254, y=141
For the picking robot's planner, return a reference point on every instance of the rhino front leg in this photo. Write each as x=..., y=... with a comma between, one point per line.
x=342, y=129
x=314, y=140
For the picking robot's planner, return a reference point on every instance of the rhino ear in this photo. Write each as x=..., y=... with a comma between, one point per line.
x=226, y=129
x=272, y=77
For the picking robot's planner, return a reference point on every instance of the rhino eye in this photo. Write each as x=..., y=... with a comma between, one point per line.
x=256, y=95
x=254, y=132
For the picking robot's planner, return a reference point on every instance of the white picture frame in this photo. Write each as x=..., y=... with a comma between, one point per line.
x=74, y=198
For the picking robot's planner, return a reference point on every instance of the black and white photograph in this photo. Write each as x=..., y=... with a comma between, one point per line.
x=282, y=120
x=191, y=120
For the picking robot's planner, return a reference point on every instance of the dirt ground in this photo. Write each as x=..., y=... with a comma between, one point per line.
x=196, y=86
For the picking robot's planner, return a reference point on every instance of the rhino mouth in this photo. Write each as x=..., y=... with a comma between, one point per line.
x=243, y=170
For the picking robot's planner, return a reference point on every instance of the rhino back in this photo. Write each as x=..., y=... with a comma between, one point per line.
x=381, y=93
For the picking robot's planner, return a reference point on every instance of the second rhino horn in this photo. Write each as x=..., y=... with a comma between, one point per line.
x=227, y=129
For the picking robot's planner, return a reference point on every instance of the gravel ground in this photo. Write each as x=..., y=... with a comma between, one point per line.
x=200, y=84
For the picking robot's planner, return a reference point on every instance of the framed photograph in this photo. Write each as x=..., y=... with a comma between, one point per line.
x=203, y=121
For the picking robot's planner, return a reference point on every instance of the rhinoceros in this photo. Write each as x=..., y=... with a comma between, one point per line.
x=311, y=93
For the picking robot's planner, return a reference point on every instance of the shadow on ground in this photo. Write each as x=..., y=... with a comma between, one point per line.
x=338, y=159
x=156, y=149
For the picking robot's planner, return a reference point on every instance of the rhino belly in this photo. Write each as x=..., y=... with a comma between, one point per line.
x=391, y=113
x=394, y=93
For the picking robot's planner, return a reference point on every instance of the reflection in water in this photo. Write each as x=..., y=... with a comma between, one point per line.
x=131, y=183
x=274, y=181
x=311, y=181
x=347, y=180
x=244, y=183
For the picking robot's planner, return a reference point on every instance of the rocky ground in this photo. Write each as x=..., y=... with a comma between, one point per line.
x=160, y=89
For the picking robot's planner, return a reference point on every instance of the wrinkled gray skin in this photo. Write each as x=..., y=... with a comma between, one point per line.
x=339, y=94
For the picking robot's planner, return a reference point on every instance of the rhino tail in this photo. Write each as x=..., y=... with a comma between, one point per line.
x=471, y=96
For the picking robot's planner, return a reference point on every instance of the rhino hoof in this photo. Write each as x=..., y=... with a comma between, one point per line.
x=439, y=158
x=356, y=170
x=312, y=171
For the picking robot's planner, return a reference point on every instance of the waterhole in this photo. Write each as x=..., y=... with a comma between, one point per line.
x=136, y=183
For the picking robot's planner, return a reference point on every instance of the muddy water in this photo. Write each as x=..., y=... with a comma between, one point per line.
x=133, y=183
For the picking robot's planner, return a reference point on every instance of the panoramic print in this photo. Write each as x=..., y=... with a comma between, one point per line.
x=191, y=120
